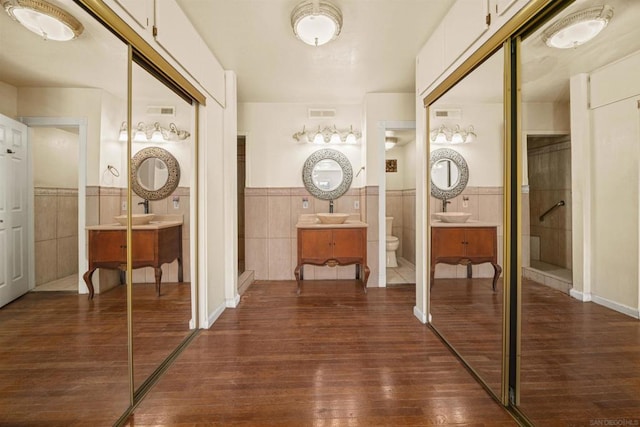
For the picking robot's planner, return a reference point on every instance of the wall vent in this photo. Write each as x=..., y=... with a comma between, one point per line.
x=161, y=111
x=447, y=114
x=315, y=113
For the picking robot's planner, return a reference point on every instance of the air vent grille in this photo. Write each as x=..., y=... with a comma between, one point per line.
x=315, y=113
x=447, y=114
x=161, y=111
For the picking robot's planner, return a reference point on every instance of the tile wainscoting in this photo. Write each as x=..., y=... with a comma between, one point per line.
x=401, y=205
x=271, y=243
x=55, y=233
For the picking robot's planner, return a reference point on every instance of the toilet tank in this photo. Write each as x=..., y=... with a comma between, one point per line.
x=389, y=225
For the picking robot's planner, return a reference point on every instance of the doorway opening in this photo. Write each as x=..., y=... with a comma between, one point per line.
x=399, y=194
x=241, y=184
x=549, y=174
x=54, y=152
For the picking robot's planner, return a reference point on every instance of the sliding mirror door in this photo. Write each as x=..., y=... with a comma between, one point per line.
x=467, y=162
x=580, y=286
x=63, y=356
x=162, y=172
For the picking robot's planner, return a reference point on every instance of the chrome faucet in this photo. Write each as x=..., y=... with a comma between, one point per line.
x=145, y=203
x=330, y=206
x=444, y=204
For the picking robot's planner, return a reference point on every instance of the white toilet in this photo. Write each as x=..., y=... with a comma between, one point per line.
x=392, y=244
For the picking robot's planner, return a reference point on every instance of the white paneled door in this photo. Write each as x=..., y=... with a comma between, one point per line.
x=13, y=210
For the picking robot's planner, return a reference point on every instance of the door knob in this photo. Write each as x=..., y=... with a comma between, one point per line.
x=9, y=151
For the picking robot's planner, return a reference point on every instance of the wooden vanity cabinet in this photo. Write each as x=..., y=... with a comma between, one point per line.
x=151, y=248
x=333, y=246
x=465, y=245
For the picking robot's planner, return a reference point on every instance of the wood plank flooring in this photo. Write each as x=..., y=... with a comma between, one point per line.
x=63, y=358
x=332, y=356
x=580, y=361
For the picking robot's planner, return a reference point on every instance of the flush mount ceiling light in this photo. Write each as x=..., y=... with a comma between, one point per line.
x=577, y=28
x=41, y=17
x=316, y=22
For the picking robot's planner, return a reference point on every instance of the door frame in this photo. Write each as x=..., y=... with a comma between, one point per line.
x=81, y=123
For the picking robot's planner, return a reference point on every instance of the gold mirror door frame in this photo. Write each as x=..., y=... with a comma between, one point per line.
x=468, y=287
x=526, y=17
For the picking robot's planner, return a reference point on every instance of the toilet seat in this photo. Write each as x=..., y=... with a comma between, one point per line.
x=391, y=239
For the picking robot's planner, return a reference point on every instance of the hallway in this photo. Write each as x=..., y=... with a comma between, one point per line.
x=332, y=356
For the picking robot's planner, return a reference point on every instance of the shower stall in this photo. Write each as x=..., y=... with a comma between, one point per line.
x=549, y=175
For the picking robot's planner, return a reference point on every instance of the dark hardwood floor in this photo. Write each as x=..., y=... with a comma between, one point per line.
x=332, y=356
x=63, y=358
x=580, y=361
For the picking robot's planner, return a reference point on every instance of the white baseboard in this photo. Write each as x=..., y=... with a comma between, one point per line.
x=620, y=308
x=615, y=306
x=213, y=317
x=233, y=302
x=419, y=314
x=579, y=295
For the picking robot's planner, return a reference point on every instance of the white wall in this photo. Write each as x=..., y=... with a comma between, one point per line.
x=8, y=100
x=70, y=102
x=379, y=108
x=484, y=157
x=55, y=158
x=274, y=158
x=611, y=264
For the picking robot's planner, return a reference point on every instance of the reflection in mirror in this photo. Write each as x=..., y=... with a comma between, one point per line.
x=327, y=174
x=62, y=355
x=155, y=173
x=445, y=174
x=580, y=342
x=152, y=174
x=161, y=287
x=466, y=290
x=449, y=174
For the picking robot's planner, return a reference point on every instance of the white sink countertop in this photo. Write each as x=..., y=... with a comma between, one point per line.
x=312, y=221
x=159, y=221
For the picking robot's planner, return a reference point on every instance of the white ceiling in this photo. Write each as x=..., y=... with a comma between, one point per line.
x=375, y=52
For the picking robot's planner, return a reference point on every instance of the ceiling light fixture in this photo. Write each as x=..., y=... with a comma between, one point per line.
x=577, y=28
x=390, y=142
x=316, y=22
x=46, y=20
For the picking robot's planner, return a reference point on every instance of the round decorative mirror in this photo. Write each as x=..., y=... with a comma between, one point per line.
x=327, y=174
x=155, y=173
x=449, y=173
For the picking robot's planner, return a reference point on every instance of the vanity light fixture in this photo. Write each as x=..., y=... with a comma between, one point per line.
x=445, y=135
x=316, y=22
x=328, y=135
x=577, y=28
x=153, y=133
x=43, y=18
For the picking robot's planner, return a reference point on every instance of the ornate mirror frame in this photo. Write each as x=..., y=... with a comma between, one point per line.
x=327, y=154
x=463, y=171
x=173, y=169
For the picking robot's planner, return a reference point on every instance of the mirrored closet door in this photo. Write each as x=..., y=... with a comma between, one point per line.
x=466, y=166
